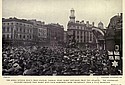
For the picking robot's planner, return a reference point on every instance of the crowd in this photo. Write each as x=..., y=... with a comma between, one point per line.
x=35, y=60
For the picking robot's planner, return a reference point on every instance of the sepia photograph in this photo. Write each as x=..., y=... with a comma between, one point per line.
x=62, y=38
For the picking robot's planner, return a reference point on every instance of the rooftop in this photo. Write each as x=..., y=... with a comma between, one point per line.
x=16, y=19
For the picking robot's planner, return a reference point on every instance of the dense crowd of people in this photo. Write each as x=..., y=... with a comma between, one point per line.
x=35, y=60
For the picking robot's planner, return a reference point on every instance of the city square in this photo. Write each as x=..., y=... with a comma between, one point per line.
x=36, y=48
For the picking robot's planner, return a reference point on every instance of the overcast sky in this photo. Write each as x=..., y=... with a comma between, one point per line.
x=58, y=11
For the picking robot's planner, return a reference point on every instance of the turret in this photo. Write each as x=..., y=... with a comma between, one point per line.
x=72, y=15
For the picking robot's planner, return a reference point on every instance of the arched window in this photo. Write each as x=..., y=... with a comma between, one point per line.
x=20, y=36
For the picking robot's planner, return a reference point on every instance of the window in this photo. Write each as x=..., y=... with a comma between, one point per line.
x=20, y=36
x=81, y=40
x=30, y=36
x=20, y=29
x=7, y=36
x=77, y=27
x=8, y=23
x=84, y=36
x=81, y=27
x=90, y=36
x=17, y=35
x=7, y=29
x=11, y=29
x=30, y=30
x=73, y=27
x=3, y=36
x=77, y=37
x=11, y=23
x=24, y=37
x=3, y=29
x=77, y=32
x=84, y=28
x=27, y=30
x=24, y=30
x=17, y=29
x=11, y=36
x=39, y=34
x=27, y=36
x=73, y=32
x=81, y=32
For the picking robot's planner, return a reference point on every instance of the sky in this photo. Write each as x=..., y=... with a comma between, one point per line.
x=58, y=11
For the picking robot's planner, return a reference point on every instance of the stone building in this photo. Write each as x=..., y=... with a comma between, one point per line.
x=114, y=33
x=99, y=33
x=39, y=32
x=23, y=32
x=55, y=34
x=80, y=32
x=17, y=31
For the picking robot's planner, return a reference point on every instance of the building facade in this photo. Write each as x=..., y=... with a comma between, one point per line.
x=17, y=31
x=80, y=32
x=114, y=33
x=99, y=33
x=114, y=41
x=23, y=32
x=55, y=34
x=39, y=32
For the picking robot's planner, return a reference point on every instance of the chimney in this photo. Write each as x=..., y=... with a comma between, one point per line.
x=43, y=23
x=77, y=22
x=87, y=23
x=92, y=23
x=82, y=22
x=121, y=14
